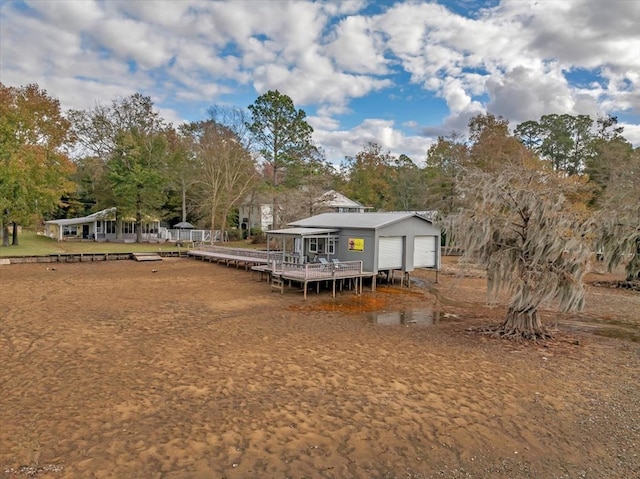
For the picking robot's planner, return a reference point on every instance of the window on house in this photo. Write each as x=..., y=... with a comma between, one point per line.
x=70, y=230
x=313, y=245
x=128, y=227
x=331, y=246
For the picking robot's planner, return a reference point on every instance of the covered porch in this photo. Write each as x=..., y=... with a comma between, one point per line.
x=302, y=245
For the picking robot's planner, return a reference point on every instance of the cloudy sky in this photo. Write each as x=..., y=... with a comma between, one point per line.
x=399, y=73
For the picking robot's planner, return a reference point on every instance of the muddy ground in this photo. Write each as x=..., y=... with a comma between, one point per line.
x=111, y=370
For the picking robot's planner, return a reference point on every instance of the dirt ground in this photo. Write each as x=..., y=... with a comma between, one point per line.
x=111, y=370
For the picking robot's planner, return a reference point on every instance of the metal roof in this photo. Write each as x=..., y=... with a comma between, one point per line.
x=356, y=220
x=99, y=215
x=303, y=231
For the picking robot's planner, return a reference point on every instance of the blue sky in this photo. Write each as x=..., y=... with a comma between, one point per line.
x=399, y=73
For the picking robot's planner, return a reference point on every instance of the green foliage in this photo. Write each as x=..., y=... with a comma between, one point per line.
x=135, y=173
x=281, y=131
x=445, y=160
x=564, y=140
x=369, y=177
x=126, y=156
x=407, y=185
x=34, y=169
x=283, y=139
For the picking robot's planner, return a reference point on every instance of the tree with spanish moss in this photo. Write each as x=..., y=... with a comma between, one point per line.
x=618, y=205
x=528, y=226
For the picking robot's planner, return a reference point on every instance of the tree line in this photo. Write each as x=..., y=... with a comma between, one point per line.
x=532, y=204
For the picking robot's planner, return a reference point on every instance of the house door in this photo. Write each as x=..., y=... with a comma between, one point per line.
x=85, y=231
x=390, y=253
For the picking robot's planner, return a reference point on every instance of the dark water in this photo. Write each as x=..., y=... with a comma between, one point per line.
x=417, y=317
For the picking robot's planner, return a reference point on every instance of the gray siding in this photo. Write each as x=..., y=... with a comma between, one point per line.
x=370, y=227
x=368, y=256
x=407, y=229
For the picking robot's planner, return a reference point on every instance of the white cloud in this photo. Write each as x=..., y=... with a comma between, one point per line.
x=358, y=48
x=133, y=40
x=69, y=16
x=517, y=54
x=336, y=8
x=165, y=13
x=511, y=59
x=527, y=94
x=341, y=143
x=323, y=122
x=631, y=133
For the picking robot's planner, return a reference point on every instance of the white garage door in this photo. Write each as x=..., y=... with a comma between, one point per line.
x=390, y=252
x=424, y=251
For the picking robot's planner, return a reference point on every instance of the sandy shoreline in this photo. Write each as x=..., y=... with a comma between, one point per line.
x=197, y=371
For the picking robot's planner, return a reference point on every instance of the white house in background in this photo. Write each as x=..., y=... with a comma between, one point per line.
x=256, y=215
x=99, y=226
x=259, y=213
x=334, y=202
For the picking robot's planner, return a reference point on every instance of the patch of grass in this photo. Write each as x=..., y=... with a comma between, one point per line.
x=31, y=244
x=247, y=244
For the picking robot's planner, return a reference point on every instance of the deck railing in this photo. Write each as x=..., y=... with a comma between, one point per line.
x=240, y=252
x=194, y=236
x=322, y=270
x=306, y=271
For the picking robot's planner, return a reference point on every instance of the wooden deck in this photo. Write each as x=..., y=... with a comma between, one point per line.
x=278, y=273
x=347, y=273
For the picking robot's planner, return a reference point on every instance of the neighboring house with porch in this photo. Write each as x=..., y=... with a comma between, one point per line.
x=99, y=226
x=257, y=212
x=383, y=241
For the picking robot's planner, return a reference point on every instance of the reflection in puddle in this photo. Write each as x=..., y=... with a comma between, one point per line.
x=419, y=317
x=610, y=329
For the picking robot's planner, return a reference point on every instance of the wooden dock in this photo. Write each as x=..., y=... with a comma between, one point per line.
x=146, y=256
x=279, y=273
x=85, y=257
x=231, y=256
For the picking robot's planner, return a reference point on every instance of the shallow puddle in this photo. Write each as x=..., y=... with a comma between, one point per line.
x=610, y=329
x=417, y=317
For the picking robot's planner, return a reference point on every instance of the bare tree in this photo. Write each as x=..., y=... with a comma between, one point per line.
x=529, y=228
x=227, y=170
